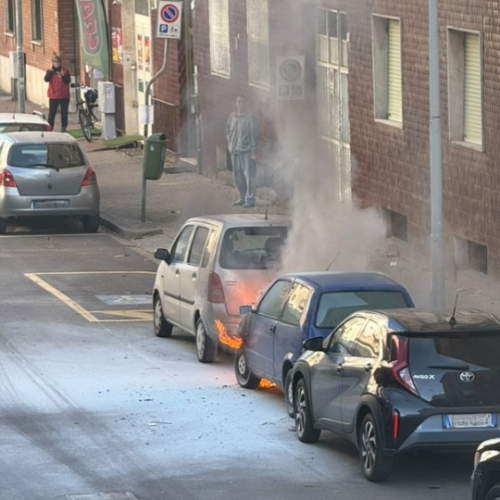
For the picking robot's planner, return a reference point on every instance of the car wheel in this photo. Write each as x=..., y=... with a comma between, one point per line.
x=289, y=393
x=3, y=225
x=376, y=466
x=91, y=223
x=206, y=348
x=161, y=326
x=493, y=493
x=303, y=416
x=244, y=376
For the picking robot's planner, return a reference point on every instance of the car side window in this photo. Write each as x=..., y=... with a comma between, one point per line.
x=271, y=303
x=295, y=304
x=198, y=245
x=344, y=340
x=181, y=243
x=368, y=341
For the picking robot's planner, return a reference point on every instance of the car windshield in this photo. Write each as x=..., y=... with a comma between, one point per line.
x=334, y=307
x=6, y=128
x=252, y=247
x=57, y=155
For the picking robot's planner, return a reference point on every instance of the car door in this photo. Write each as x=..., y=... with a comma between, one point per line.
x=172, y=275
x=356, y=371
x=326, y=373
x=289, y=333
x=190, y=276
x=260, y=341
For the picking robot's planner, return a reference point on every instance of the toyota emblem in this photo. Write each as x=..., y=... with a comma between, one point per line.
x=467, y=376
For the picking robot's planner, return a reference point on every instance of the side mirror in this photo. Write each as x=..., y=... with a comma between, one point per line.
x=313, y=344
x=163, y=254
x=245, y=310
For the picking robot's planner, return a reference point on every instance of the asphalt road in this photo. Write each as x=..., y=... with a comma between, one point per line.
x=94, y=407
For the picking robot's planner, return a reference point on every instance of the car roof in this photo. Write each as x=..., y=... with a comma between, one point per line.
x=346, y=280
x=35, y=137
x=431, y=321
x=21, y=118
x=242, y=220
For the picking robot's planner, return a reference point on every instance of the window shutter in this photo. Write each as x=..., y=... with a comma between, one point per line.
x=472, y=89
x=394, y=107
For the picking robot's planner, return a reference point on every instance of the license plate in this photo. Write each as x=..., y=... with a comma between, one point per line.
x=469, y=421
x=49, y=203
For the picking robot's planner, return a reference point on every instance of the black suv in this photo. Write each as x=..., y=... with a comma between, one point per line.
x=486, y=476
x=401, y=379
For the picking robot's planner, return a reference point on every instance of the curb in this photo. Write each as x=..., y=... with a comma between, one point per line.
x=123, y=228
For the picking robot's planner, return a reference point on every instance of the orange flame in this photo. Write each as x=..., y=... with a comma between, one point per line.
x=266, y=384
x=232, y=342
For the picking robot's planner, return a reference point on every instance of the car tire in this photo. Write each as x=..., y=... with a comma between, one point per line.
x=288, y=389
x=244, y=375
x=206, y=348
x=91, y=223
x=375, y=465
x=162, y=327
x=303, y=415
x=493, y=493
x=3, y=225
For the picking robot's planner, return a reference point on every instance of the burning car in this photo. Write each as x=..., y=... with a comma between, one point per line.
x=216, y=263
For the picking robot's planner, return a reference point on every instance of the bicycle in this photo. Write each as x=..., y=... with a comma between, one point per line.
x=85, y=103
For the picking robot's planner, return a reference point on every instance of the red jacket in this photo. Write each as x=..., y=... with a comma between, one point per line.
x=58, y=83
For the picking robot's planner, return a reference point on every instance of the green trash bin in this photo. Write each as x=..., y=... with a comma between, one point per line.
x=154, y=156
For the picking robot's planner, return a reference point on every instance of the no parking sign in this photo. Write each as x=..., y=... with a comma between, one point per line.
x=169, y=19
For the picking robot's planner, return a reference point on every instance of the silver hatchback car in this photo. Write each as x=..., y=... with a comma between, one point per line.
x=216, y=264
x=46, y=174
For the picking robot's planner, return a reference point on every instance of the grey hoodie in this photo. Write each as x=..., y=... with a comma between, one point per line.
x=240, y=133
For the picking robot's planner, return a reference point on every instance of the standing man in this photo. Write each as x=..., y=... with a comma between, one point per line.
x=59, y=79
x=241, y=134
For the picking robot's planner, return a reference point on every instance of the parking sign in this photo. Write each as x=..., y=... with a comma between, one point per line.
x=169, y=19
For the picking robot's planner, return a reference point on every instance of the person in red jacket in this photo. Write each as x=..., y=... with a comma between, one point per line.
x=58, y=91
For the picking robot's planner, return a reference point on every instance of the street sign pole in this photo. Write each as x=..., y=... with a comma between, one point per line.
x=20, y=57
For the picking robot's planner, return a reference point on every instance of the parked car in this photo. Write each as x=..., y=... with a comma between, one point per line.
x=46, y=175
x=19, y=122
x=398, y=380
x=486, y=475
x=216, y=263
x=298, y=306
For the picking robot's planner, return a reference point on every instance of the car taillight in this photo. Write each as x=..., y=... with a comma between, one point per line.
x=395, y=424
x=400, y=368
x=215, y=290
x=7, y=179
x=90, y=178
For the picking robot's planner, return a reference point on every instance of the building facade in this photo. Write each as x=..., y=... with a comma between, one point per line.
x=361, y=123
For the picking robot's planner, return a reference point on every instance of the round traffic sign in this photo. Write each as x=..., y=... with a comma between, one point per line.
x=169, y=13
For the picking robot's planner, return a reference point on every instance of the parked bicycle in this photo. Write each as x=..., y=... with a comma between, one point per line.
x=86, y=102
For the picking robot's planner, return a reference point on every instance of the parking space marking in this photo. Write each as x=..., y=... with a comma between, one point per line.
x=88, y=315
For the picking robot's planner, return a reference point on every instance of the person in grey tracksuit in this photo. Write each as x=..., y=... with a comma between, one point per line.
x=241, y=136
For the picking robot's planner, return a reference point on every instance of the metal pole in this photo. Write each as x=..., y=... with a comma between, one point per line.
x=146, y=102
x=20, y=56
x=438, y=270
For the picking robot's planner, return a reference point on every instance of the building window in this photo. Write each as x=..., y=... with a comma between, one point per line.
x=220, y=54
x=465, y=88
x=396, y=224
x=258, y=42
x=10, y=25
x=471, y=255
x=36, y=20
x=387, y=82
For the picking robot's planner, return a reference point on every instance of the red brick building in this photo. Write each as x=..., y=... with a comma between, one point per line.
x=361, y=126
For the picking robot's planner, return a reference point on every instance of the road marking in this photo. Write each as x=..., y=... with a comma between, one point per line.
x=61, y=296
x=130, y=315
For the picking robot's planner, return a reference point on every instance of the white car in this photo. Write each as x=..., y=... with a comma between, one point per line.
x=22, y=122
x=216, y=264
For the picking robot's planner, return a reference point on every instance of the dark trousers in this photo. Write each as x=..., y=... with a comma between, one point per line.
x=53, y=106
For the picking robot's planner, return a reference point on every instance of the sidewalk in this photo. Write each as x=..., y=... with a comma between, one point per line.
x=181, y=193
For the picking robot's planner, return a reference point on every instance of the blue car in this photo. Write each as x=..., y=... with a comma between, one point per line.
x=298, y=306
